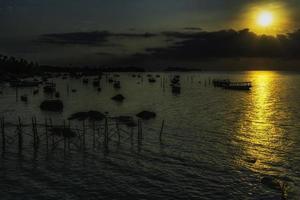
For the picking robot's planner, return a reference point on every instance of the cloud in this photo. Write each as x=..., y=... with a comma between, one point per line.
x=87, y=38
x=181, y=35
x=83, y=38
x=228, y=43
x=192, y=28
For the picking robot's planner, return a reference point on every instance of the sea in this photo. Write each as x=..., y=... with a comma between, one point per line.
x=215, y=143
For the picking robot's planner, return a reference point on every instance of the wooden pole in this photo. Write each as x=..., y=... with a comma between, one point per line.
x=161, y=130
x=3, y=135
x=34, y=136
x=106, y=134
x=118, y=131
x=140, y=133
x=94, y=136
x=46, y=133
x=83, y=136
x=51, y=126
x=36, y=133
x=64, y=135
x=20, y=136
x=69, y=127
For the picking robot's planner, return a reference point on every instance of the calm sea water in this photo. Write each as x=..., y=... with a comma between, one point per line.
x=217, y=144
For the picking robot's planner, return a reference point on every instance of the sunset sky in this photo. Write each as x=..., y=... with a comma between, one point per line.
x=25, y=23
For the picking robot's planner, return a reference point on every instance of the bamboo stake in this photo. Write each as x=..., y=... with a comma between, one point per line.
x=64, y=135
x=118, y=131
x=34, y=136
x=83, y=136
x=51, y=125
x=106, y=134
x=3, y=135
x=20, y=136
x=36, y=132
x=94, y=136
x=161, y=130
x=46, y=133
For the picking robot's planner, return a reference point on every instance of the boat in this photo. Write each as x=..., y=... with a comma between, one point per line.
x=220, y=82
x=176, y=89
x=96, y=82
x=151, y=80
x=117, y=85
x=85, y=81
x=24, y=98
x=238, y=85
x=49, y=88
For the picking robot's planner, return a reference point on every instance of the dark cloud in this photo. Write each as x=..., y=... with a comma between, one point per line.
x=87, y=38
x=192, y=28
x=83, y=38
x=228, y=43
x=181, y=35
x=104, y=54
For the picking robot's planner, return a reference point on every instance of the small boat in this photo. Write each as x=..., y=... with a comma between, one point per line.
x=220, y=82
x=96, y=83
x=152, y=80
x=117, y=85
x=110, y=80
x=24, y=98
x=176, y=89
x=49, y=88
x=35, y=91
x=238, y=86
x=85, y=81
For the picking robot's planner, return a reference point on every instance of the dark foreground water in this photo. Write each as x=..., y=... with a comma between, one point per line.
x=217, y=144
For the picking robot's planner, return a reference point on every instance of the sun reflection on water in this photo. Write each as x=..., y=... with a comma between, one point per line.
x=260, y=138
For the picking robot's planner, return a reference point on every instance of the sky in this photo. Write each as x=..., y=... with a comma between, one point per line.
x=29, y=27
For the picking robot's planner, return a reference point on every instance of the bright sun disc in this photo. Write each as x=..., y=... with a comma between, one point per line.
x=265, y=19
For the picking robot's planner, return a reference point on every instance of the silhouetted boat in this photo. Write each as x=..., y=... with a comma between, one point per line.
x=176, y=89
x=49, y=88
x=96, y=83
x=238, y=85
x=117, y=85
x=175, y=80
x=220, y=82
x=24, y=98
x=152, y=80
x=85, y=81
x=35, y=92
x=52, y=105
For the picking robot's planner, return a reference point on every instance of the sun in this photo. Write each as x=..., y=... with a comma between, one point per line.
x=265, y=19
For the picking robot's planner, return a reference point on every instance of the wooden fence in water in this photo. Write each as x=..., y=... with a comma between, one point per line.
x=49, y=137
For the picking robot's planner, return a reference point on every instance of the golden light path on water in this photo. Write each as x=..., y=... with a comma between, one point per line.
x=261, y=138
